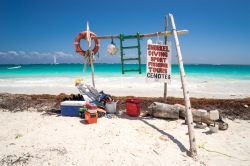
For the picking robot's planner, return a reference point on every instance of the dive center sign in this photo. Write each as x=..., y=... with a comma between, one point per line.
x=158, y=62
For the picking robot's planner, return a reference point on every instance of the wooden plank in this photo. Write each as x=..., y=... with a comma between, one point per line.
x=189, y=117
x=166, y=33
x=127, y=59
x=131, y=70
x=130, y=47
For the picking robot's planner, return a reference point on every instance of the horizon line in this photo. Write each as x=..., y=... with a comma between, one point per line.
x=120, y=63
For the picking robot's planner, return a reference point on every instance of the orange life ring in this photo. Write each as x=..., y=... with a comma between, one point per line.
x=82, y=35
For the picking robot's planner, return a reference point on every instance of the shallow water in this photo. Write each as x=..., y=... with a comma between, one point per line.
x=239, y=72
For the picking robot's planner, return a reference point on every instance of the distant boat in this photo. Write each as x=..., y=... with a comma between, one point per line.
x=55, y=63
x=15, y=67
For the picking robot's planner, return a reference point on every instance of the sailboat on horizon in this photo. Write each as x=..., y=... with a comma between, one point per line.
x=55, y=62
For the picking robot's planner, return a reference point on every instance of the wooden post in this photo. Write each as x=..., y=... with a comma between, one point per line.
x=189, y=116
x=84, y=65
x=88, y=38
x=92, y=69
x=165, y=42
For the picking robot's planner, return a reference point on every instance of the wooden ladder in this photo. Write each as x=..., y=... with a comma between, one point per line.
x=138, y=58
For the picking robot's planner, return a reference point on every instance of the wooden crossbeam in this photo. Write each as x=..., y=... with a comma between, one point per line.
x=165, y=33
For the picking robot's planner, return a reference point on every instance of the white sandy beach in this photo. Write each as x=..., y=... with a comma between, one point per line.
x=31, y=138
x=130, y=85
x=63, y=62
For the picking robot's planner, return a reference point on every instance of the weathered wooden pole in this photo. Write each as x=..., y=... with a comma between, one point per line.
x=92, y=69
x=90, y=55
x=85, y=65
x=165, y=42
x=180, y=32
x=189, y=117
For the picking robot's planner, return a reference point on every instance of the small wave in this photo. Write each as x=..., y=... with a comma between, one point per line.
x=15, y=67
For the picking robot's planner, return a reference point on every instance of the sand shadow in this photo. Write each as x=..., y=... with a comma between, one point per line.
x=172, y=138
x=125, y=116
x=143, y=119
x=82, y=121
x=52, y=112
x=208, y=132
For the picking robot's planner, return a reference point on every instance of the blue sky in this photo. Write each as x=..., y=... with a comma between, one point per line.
x=33, y=31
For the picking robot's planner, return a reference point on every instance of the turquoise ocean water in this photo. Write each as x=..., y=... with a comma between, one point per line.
x=241, y=72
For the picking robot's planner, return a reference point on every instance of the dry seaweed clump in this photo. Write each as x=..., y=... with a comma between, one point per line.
x=15, y=160
x=229, y=108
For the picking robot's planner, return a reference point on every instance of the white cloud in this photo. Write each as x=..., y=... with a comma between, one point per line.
x=37, y=57
x=12, y=53
x=34, y=53
x=62, y=54
x=21, y=52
